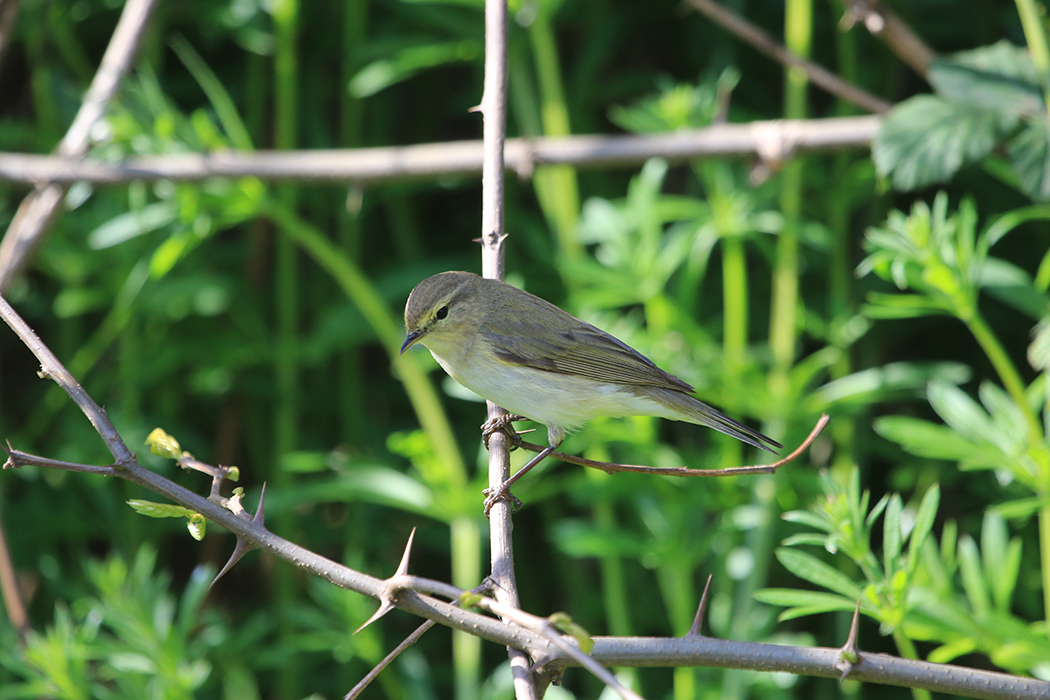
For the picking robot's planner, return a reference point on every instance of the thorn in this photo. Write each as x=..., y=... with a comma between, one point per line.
x=849, y=655
x=402, y=568
x=260, y=517
x=242, y=547
x=387, y=602
x=384, y=607
x=698, y=621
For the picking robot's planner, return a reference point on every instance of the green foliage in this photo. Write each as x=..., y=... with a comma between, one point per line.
x=127, y=638
x=151, y=509
x=260, y=323
x=985, y=98
x=957, y=594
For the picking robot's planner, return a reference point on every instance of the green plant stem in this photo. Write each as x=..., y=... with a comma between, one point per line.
x=556, y=185
x=1014, y=385
x=286, y=314
x=676, y=587
x=734, y=301
x=363, y=294
x=466, y=573
x=1007, y=372
x=1035, y=37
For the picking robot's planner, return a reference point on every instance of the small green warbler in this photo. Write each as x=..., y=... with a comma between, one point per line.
x=530, y=357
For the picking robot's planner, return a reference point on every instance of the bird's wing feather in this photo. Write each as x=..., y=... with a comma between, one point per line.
x=581, y=350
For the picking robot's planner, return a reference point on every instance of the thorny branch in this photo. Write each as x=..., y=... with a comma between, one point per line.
x=608, y=651
x=493, y=109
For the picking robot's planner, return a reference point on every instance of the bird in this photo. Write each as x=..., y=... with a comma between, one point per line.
x=532, y=358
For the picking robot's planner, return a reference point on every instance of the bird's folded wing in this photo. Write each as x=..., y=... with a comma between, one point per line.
x=584, y=350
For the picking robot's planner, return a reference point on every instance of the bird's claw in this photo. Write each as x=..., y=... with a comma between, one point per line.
x=501, y=424
x=501, y=492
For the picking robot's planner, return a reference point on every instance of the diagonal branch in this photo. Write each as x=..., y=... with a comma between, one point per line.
x=763, y=42
x=884, y=23
x=41, y=207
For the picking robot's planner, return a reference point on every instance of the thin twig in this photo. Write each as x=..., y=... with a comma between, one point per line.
x=18, y=458
x=39, y=210
x=763, y=42
x=408, y=641
x=884, y=23
x=51, y=368
x=611, y=467
x=365, y=166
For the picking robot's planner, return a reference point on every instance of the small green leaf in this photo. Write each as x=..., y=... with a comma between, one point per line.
x=1020, y=508
x=1013, y=286
x=923, y=524
x=898, y=306
x=196, y=525
x=923, y=438
x=811, y=569
x=161, y=510
x=891, y=534
x=131, y=224
x=972, y=577
x=163, y=445
x=960, y=412
x=1039, y=350
x=381, y=74
x=469, y=599
x=802, y=603
x=564, y=624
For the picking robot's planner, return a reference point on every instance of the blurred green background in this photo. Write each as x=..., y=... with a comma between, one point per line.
x=258, y=323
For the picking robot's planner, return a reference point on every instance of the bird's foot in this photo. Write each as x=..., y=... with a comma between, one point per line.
x=501, y=492
x=501, y=424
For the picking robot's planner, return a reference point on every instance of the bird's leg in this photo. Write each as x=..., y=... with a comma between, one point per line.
x=502, y=424
x=492, y=496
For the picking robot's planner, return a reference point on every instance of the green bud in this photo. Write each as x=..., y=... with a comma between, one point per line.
x=163, y=445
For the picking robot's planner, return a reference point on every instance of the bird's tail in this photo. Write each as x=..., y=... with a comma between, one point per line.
x=683, y=407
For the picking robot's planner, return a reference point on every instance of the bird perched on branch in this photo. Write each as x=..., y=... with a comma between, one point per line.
x=530, y=357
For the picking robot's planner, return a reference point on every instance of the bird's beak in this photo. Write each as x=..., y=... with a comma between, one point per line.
x=410, y=340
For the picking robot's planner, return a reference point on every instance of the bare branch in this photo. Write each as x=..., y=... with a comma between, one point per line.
x=51, y=368
x=611, y=467
x=494, y=113
x=39, y=210
x=365, y=166
x=884, y=23
x=18, y=458
x=819, y=76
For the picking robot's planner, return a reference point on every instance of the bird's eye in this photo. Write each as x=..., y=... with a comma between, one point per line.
x=442, y=312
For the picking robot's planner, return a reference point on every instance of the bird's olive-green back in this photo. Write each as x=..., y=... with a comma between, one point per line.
x=525, y=330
